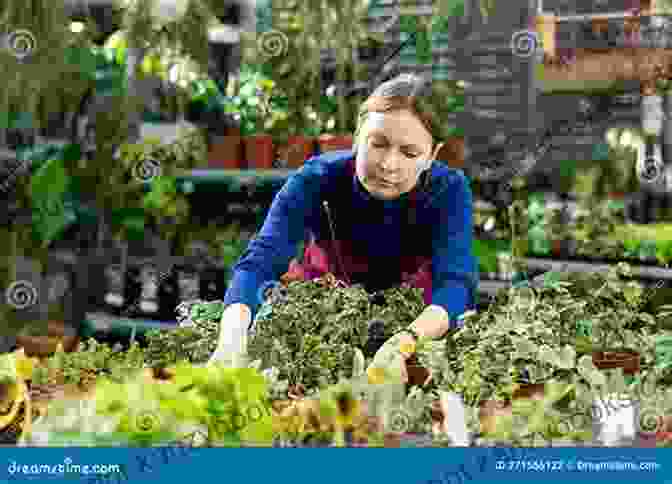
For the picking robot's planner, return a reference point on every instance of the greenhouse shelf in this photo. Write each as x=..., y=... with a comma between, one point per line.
x=491, y=288
x=272, y=179
x=642, y=272
x=120, y=326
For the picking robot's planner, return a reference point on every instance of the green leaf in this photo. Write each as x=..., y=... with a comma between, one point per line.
x=567, y=358
x=633, y=293
x=47, y=190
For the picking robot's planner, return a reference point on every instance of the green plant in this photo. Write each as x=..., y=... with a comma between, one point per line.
x=595, y=228
x=294, y=67
x=166, y=348
x=529, y=335
x=664, y=252
x=262, y=108
x=91, y=361
x=141, y=413
x=314, y=327
x=539, y=422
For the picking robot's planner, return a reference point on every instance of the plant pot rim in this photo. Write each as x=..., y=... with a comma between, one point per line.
x=623, y=352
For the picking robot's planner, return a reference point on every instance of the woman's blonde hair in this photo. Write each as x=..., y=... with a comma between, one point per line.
x=418, y=94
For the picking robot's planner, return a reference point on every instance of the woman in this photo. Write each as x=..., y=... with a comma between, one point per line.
x=379, y=215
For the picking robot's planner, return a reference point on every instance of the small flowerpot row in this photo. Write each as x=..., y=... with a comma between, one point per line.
x=649, y=253
x=626, y=360
x=260, y=152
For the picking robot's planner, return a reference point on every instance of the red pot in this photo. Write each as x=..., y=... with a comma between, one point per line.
x=226, y=152
x=259, y=152
x=331, y=142
x=299, y=149
x=556, y=247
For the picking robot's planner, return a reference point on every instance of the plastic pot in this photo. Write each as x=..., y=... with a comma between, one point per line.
x=259, y=152
x=226, y=152
x=628, y=360
x=331, y=142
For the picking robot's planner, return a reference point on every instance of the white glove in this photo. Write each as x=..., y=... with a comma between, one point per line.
x=232, y=345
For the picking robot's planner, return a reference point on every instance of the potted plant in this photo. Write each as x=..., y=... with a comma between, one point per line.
x=261, y=111
x=225, y=151
x=555, y=226
x=621, y=330
x=39, y=331
x=291, y=62
x=300, y=144
x=447, y=102
x=594, y=230
x=340, y=27
x=535, y=347
x=331, y=138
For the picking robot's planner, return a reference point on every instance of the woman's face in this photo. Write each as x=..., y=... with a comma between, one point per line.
x=393, y=147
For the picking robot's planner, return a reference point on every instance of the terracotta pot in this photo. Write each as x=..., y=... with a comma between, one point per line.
x=226, y=152
x=331, y=142
x=46, y=345
x=298, y=150
x=490, y=410
x=452, y=153
x=628, y=360
x=259, y=152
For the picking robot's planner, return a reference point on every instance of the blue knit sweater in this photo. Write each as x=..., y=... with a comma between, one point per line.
x=376, y=231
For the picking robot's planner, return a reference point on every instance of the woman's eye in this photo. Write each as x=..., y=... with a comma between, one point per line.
x=378, y=145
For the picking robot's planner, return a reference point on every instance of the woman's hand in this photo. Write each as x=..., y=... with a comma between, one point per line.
x=232, y=344
x=394, y=353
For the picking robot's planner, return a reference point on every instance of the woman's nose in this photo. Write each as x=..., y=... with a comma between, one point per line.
x=390, y=162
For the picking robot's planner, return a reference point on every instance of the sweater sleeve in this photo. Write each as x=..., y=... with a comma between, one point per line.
x=454, y=274
x=268, y=254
